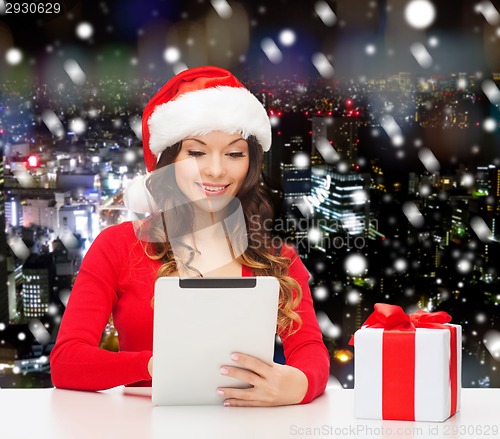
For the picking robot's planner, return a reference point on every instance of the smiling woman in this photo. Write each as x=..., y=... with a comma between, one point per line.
x=218, y=171
x=204, y=137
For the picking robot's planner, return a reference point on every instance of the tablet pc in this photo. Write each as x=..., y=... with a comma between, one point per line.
x=198, y=323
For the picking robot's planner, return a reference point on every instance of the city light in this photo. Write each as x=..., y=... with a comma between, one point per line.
x=32, y=161
x=343, y=355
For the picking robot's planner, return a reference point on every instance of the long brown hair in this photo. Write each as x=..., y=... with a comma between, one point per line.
x=260, y=255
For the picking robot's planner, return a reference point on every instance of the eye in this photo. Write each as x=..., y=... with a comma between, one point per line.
x=194, y=153
x=236, y=154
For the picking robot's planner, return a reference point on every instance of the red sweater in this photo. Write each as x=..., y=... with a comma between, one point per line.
x=117, y=277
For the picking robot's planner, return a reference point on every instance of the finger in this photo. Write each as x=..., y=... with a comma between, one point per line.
x=247, y=376
x=233, y=393
x=246, y=403
x=251, y=363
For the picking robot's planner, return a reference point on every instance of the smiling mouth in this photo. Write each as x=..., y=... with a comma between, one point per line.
x=212, y=189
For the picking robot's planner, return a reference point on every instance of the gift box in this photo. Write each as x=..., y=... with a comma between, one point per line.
x=407, y=367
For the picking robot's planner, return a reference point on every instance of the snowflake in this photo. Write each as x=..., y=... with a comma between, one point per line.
x=420, y=14
x=13, y=56
x=84, y=30
x=355, y=264
x=287, y=37
x=271, y=50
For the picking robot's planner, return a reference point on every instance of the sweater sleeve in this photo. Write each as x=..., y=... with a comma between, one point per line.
x=305, y=349
x=76, y=361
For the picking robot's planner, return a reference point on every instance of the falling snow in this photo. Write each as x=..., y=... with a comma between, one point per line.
x=481, y=229
x=413, y=214
x=324, y=67
x=13, y=56
x=393, y=130
x=75, y=72
x=78, y=125
x=271, y=50
x=370, y=49
x=491, y=91
x=420, y=13
x=172, y=55
x=491, y=341
x=301, y=160
x=327, y=327
x=355, y=264
x=353, y=297
x=429, y=160
x=325, y=13
x=489, y=12
x=19, y=248
x=53, y=123
x=84, y=30
x=222, y=8
x=287, y=37
x=40, y=333
x=320, y=293
x=135, y=123
x=490, y=125
x=421, y=55
x=327, y=151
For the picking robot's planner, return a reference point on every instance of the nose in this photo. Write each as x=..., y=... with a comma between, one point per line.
x=214, y=166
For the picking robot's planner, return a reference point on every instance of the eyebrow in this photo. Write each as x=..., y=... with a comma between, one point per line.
x=203, y=143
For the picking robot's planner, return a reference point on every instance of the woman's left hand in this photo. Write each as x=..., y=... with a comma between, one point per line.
x=272, y=385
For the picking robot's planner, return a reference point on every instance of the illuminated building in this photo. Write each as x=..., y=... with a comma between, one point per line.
x=405, y=81
x=340, y=132
x=82, y=185
x=460, y=218
x=77, y=219
x=13, y=212
x=40, y=213
x=320, y=133
x=4, y=298
x=295, y=172
x=339, y=201
x=295, y=164
x=38, y=274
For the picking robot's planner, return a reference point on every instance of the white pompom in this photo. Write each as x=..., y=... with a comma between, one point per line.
x=137, y=198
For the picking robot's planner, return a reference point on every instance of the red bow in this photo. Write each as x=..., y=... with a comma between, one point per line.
x=393, y=317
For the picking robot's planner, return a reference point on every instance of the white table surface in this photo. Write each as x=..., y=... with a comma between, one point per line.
x=66, y=414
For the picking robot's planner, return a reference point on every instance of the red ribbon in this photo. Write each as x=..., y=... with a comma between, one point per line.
x=398, y=359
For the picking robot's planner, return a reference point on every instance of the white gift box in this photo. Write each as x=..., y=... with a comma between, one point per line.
x=434, y=387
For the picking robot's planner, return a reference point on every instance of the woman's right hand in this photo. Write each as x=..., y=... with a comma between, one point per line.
x=150, y=367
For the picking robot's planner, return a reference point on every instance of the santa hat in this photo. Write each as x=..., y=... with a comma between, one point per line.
x=195, y=102
x=198, y=101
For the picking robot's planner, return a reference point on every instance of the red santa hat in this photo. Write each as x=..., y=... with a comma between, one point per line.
x=198, y=101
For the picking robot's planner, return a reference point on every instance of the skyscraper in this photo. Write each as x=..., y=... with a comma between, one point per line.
x=340, y=132
x=295, y=166
x=340, y=201
x=39, y=273
x=4, y=297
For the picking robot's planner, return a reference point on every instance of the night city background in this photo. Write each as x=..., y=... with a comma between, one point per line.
x=385, y=164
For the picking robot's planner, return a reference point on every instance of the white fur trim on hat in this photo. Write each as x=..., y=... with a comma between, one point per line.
x=137, y=197
x=223, y=108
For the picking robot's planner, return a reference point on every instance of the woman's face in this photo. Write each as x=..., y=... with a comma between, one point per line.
x=211, y=168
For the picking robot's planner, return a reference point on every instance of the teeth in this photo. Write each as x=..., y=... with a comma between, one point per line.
x=213, y=189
